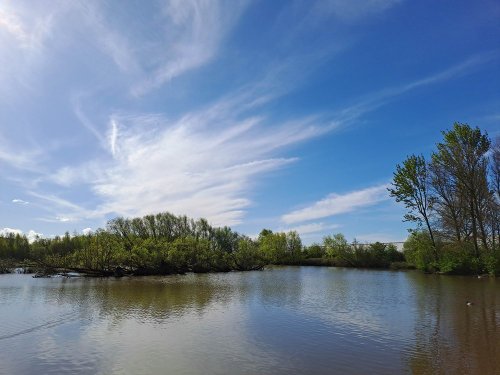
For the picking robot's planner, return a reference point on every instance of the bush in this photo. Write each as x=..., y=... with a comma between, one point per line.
x=491, y=262
x=458, y=258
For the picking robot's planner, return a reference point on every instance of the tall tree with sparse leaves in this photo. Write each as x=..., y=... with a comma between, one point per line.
x=410, y=185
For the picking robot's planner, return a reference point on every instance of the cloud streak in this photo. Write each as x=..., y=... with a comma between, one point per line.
x=20, y=201
x=335, y=204
x=383, y=97
x=18, y=158
x=312, y=228
x=353, y=10
x=26, y=37
x=204, y=165
x=196, y=30
x=207, y=162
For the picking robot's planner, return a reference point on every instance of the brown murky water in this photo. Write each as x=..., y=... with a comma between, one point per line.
x=290, y=320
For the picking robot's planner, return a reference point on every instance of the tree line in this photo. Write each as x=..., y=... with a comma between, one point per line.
x=168, y=244
x=155, y=244
x=454, y=198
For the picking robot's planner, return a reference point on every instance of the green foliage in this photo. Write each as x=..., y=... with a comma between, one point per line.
x=418, y=251
x=457, y=196
x=314, y=251
x=248, y=256
x=410, y=186
x=458, y=258
x=491, y=261
x=280, y=248
x=14, y=246
x=336, y=246
x=376, y=255
x=273, y=247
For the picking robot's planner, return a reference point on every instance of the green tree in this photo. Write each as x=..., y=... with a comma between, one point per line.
x=417, y=251
x=314, y=250
x=462, y=155
x=248, y=257
x=338, y=248
x=410, y=185
x=293, y=247
x=273, y=247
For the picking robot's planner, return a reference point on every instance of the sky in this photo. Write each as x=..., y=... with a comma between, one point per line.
x=287, y=115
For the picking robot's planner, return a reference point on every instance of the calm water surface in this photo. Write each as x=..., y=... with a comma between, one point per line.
x=291, y=320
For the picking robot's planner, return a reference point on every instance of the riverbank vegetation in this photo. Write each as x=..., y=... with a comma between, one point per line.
x=167, y=244
x=453, y=196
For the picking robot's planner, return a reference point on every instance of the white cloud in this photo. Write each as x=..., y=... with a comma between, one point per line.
x=31, y=235
x=312, y=228
x=352, y=10
x=87, y=231
x=63, y=210
x=378, y=99
x=8, y=231
x=195, y=31
x=19, y=201
x=206, y=163
x=18, y=158
x=64, y=219
x=110, y=41
x=187, y=35
x=335, y=204
x=113, y=135
x=193, y=166
x=28, y=35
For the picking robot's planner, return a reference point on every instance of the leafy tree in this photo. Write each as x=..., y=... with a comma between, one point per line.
x=248, y=257
x=411, y=186
x=417, y=251
x=273, y=247
x=314, y=251
x=462, y=155
x=337, y=247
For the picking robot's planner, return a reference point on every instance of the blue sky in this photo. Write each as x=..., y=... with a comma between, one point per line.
x=276, y=114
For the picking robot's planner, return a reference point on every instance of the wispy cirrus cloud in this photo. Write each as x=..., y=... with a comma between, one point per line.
x=204, y=165
x=113, y=136
x=207, y=162
x=196, y=29
x=378, y=99
x=28, y=35
x=201, y=162
x=353, y=10
x=188, y=34
x=20, y=201
x=62, y=210
x=335, y=204
x=19, y=158
x=312, y=228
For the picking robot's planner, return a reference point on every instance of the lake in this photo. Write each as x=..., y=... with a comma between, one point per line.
x=283, y=320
